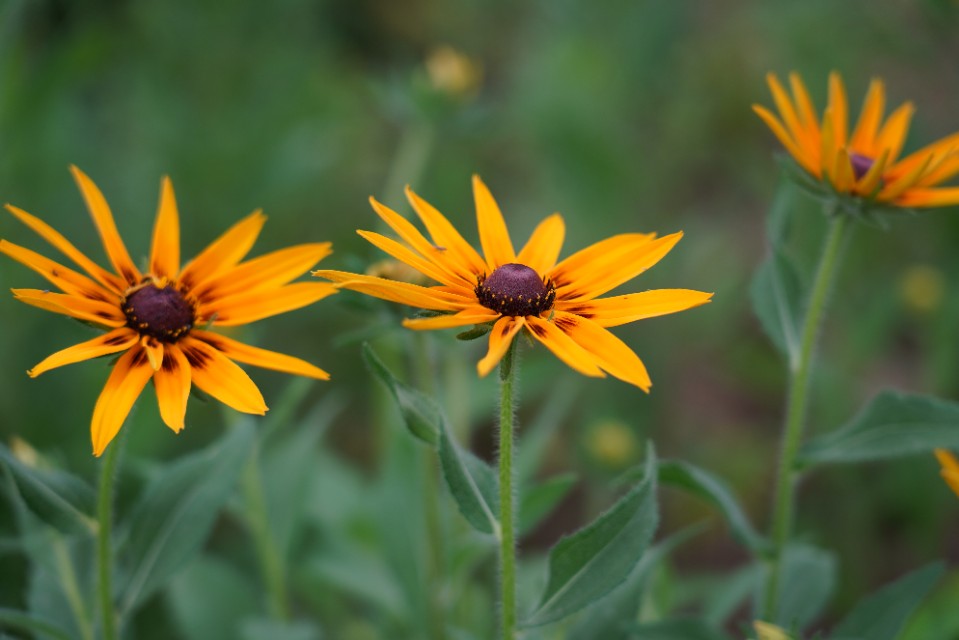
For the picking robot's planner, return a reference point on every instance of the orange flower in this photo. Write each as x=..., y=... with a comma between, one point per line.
x=556, y=302
x=950, y=469
x=153, y=316
x=865, y=163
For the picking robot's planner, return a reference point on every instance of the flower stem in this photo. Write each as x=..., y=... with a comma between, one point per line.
x=104, y=552
x=783, y=505
x=507, y=537
x=270, y=562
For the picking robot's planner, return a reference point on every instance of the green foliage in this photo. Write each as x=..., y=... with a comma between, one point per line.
x=420, y=413
x=472, y=483
x=777, y=295
x=538, y=500
x=58, y=498
x=20, y=621
x=808, y=582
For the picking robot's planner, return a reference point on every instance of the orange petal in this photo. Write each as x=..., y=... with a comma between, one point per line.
x=898, y=186
x=839, y=108
x=63, y=278
x=843, y=175
x=260, y=357
x=220, y=377
x=113, y=342
x=793, y=130
x=609, y=352
x=268, y=271
x=494, y=237
x=828, y=149
x=244, y=308
x=95, y=311
x=130, y=374
x=226, y=251
x=154, y=350
x=472, y=315
x=870, y=182
x=619, y=310
x=542, y=249
x=579, y=263
x=930, y=197
x=944, y=168
x=893, y=134
x=864, y=137
x=103, y=219
x=403, y=254
x=394, y=291
x=500, y=338
x=165, y=253
x=807, y=112
x=564, y=347
x=950, y=469
x=172, y=384
x=48, y=233
x=445, y=235
x=943, y=146
x=798, y=149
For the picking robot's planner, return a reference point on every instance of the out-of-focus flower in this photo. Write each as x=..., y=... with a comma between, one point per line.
x=556, y=303
x=950, y=469
x=766, y=631
x=865, y=162
x=453, y=73
x=612, y=444
x=922, y=288
x=153, y=317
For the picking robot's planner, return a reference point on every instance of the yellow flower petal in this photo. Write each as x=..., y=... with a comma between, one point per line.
x=542, y=249
x=580, y=263
x=930, y=197
x=221, y=378
x=113, y=342
x=244, y=308
x=445, y=235
x=838, y=108
x=268, y=271
x=472, y=315
x=793, y=130
x=63, y=278
x=564, y=347
x=130, y=374
x=154, y=350
x=94, y=311
x=892, y=136
x=609, y=352
x=864, y=136
x=500, y=338
x=494, y=237
x=225, y=252
x=394, y=291
x=103, y=219
x=403, y=254
x=165, y=252
x=172, y=384
x=619, y=310
x=262, y=358
x=870, y=182
x=807, y=113
x=898, y=186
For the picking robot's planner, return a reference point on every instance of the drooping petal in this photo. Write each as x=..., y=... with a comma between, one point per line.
x=220, y=377
x=500, y=338
x=247, y=307
x=542, y=249
x=51, y=235
x=445, y=235
x=471, y=315
x=564, y=347
x=172, y=384
x=930, y=197
x=103, y=219
x=863, y=138
x=612, y=270
x=130, y=374
x=262, y=358
x=494, y=236
x=395, y=291
x=609, y=352
x=580, y=262
x=113, y=342
x=165, y=250
x=63, y=278
x=224, y=252
x=619, y=310
x=268, y=271
x=95, y=311
x=802, y=154
x=944, y=146
x=839, y=109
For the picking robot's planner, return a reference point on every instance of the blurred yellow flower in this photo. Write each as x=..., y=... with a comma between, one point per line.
x=950, y=469
x=866, y=161
x=922, y=288
x=766, y=631
x=453, y=72
x=555, y=302
x=612, y=444
x=152, y=316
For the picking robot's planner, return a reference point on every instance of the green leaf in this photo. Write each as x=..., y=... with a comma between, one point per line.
x=266, y=629
x=589, y=564
x=808, y=580
x=536, y=502
x=209, y=598
x=478, y=331
x=56, y=497
x=535, y=438
x=893, y=424
x=676, y=629
x=777, y=220
x=19, y=621
x=420, y=413
x=712, y=489
x=883, y=615
x=472, y=482
x=176, y=512
x=777, y=294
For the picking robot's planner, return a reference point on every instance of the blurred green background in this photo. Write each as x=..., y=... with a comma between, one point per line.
x=624, y=116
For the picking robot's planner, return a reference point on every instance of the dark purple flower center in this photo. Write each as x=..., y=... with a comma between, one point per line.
x=162, y=313
x=860, y=164
x=515, y=290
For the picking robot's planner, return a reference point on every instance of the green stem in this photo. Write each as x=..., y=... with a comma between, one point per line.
x=270, y=562
x=783, y=505
x=507, y=537
x=108, y=616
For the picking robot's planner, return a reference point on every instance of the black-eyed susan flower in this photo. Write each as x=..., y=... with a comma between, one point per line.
x=866, y=161
x=557, y=303
x=950, y=469
x=156, y=317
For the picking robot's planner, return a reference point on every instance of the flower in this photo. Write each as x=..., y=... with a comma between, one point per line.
x=153, y=317
x=865, y=163
x=950, y=469
x=558, y=304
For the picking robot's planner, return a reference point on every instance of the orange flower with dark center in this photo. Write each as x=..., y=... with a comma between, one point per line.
x=153, y=316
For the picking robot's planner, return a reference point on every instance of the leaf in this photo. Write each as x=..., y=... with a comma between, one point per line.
x=712, y=489
x=538, y=501
x=420, y=413
x=808, y=580
x=58, y=498
x=209, y=597
x=777, y=294
x=176, y=512
x=347, y=567
x=266, y=629
x=777, y=220
x=589, y=564
x=892, y=425
x=472, y=482
x=19, y=621
x=883, y=615
x=534, y=439
x=676, y=629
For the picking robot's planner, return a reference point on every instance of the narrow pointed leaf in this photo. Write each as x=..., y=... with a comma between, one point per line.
x=19, y=621
x=589, y=564
x=777, y=294
x=808, y=580
x=472, y=482
x=891, y=425
x=420, y=413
